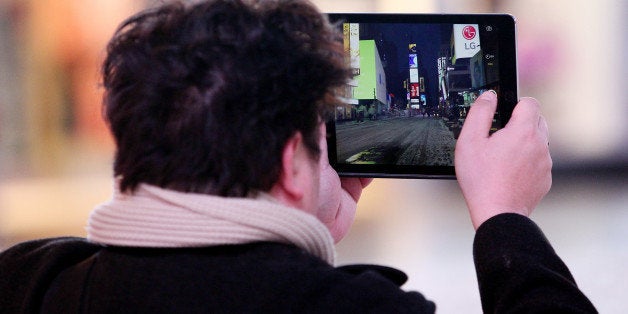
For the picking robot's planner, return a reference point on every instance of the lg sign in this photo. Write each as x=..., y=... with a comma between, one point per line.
x=467, y=40
x=468, y=32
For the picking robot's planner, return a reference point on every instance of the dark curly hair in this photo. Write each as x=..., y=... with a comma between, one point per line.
x=203, y=97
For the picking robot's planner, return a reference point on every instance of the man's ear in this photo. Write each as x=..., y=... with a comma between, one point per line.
x=291, y=187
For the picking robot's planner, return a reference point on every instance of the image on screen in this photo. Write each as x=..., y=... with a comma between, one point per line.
x=412, y=89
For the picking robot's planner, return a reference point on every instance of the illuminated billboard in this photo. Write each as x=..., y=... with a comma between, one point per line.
x=372, y=79
x=414, y=90
x=466, y=40
x=413, y=60
x=414, y=75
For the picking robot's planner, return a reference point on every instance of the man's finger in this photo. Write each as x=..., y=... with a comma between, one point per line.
x=526, y=112
x=480, y=117
x=354, y=186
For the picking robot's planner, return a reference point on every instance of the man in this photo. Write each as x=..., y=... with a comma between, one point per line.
x=225, y=200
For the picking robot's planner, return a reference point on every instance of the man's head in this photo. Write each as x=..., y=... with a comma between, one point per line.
x=204, y=98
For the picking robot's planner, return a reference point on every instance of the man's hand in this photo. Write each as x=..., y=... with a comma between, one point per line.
x=508, y=171
x=337, y=197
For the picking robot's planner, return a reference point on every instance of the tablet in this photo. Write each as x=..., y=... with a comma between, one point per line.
x=415, y=78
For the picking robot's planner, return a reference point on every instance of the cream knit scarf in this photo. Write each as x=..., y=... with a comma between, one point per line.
x=156, y=217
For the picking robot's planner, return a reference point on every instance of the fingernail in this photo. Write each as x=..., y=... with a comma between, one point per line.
x=489, y=95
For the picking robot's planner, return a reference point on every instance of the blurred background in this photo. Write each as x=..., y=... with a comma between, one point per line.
x=55, y=152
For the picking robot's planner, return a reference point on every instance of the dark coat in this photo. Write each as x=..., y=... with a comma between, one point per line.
x=517, y=269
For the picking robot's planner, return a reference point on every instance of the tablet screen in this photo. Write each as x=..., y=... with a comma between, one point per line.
x=415, y=78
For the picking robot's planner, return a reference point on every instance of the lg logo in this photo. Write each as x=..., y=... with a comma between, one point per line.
x=468, y=32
